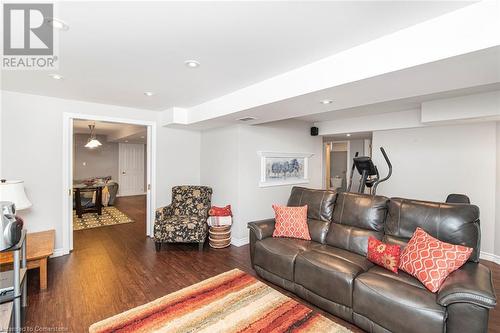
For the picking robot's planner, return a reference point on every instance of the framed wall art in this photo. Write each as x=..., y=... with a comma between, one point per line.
x=283, y=168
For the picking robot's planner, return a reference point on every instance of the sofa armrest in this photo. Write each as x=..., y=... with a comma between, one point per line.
x=469, y=284
x=262, y=229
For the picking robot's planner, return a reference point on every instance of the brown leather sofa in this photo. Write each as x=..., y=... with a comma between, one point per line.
x=332, y=272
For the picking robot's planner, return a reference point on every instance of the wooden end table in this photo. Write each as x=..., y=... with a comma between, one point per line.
x=39, y=247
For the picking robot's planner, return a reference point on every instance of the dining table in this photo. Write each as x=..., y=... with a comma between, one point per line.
x=82, y=188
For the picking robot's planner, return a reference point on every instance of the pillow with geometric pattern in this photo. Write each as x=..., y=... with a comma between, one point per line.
x=431, y=260
x=291, y=222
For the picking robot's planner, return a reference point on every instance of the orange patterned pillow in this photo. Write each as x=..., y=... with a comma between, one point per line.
x=430, y=260
x=382, y=254
x=291, y=222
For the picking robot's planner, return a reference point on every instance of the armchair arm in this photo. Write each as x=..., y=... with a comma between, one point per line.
x=469, y=284
x=262, y=229
x=163, y=212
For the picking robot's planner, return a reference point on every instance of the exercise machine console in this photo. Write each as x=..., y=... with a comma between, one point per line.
x=370, y=177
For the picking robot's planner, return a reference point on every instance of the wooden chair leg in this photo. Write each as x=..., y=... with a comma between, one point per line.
x=200, y=246
x=158, y=246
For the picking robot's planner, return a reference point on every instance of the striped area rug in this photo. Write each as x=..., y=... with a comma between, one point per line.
x=230, y=302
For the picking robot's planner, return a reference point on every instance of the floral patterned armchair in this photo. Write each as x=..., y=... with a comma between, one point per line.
x=185, y=219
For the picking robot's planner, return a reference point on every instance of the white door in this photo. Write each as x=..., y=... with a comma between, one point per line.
x=131, y=169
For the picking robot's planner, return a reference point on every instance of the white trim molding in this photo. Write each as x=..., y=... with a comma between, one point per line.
x=240, y=241
x=59, y=252
x=67, y=174
x=490, y=257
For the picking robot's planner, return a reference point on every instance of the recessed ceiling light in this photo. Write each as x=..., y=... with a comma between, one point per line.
x=126, y=140
x=56, y=76
x=149, y=93
x=326, y=101
x=58, y=24
x=142, y=137
x=348, y=134
x=192, y=63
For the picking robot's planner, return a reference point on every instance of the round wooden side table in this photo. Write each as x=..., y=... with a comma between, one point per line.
x=219, y=237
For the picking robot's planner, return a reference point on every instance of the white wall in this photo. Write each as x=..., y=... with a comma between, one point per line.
x=283, y=136
x=231, y=165
x=220, y=153
x=431, y=162
x=100, y=162
x=31, y=136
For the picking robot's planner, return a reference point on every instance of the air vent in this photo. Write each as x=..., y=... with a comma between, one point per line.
x=247, y=119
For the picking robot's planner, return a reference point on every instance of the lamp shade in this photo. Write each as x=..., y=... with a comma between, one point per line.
x=13, y=191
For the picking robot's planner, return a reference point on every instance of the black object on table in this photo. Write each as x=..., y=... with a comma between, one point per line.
x=15, y=288
x=97, y=208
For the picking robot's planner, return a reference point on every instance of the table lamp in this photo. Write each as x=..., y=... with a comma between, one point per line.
x=13, y=191
x=12, y=198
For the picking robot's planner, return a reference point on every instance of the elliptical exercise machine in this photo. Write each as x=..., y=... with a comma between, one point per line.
x=370, y=177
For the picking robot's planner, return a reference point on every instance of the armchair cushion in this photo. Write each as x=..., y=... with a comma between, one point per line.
x=469, y=284
x=188, y=229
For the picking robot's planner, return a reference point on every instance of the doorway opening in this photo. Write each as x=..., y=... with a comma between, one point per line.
x=339, y=151
x=108, y=170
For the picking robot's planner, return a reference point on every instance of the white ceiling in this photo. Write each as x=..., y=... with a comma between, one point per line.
x=405, y=89
x=114, y=132
x=343, y=137
x=114, y=51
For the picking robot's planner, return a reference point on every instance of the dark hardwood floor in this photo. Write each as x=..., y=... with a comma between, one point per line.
x=115, y=268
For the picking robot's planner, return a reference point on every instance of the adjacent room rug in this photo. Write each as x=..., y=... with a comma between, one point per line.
x=230, y=302
x=110, y=216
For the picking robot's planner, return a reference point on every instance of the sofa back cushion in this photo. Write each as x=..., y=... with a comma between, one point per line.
x=320, y=205
x=355, y=218
x=451, y=223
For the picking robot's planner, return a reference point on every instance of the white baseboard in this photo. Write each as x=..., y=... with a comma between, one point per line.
x=240, y=241
x=59, y=252
x=130, y=194
x=490, y=256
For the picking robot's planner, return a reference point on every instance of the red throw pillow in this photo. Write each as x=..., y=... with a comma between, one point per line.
x=220, y=211
x=291, y=222
x=430, y=260
x=382, y=254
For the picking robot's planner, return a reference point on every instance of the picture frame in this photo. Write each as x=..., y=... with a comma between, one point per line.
x=279, y=168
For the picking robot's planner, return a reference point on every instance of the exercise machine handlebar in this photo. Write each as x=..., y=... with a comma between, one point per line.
x=389, y=164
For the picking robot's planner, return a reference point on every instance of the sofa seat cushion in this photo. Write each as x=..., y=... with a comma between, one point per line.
x=277, y=255
x=397, y=303
x=401, y=276
x=330, y=272
x=351, y=257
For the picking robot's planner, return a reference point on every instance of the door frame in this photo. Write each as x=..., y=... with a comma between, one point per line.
x=327, y=149
x=67, y=171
